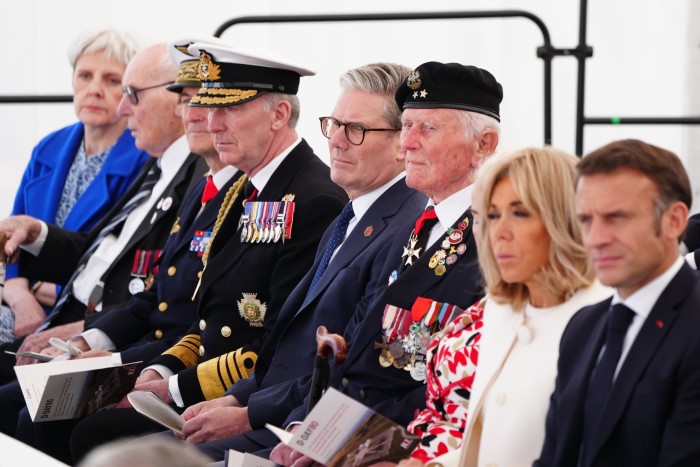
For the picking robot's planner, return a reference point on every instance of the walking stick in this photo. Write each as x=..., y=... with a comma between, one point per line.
x=325, y=344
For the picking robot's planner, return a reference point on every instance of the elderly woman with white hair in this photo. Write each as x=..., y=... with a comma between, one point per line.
x=76, y=174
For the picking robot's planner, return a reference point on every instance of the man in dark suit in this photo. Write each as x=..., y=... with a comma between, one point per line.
x=137, y=329
x=450, y=123
x=99, y=266
x=627, y=385
x=259, y=249
x=363, y=144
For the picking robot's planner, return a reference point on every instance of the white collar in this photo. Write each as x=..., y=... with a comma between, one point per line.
x=260, y=179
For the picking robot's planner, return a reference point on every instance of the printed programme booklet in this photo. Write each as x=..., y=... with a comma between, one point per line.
x=149, y=404
x=340, y=431
x=61, y=390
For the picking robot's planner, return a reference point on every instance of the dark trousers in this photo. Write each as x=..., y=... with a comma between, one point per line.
x=106, y=426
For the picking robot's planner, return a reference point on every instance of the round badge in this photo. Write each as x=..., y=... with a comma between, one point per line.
x=136, y=285
x=445, y=243
x=226, y=331
x=461, y=249
x=456, y=236
x=462, y=225
x=451, y=259
x=396, y=349
x=418, y=371
x=167, y=203
x=385, y=359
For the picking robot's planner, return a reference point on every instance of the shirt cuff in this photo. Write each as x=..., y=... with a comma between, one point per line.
x=174, y=389
x=35, y=247
x=97, y=339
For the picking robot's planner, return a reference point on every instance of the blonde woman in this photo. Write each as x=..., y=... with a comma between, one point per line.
x=537, y=276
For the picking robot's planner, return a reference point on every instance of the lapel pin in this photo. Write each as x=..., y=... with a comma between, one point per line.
x=368, y=231
x=659, y=324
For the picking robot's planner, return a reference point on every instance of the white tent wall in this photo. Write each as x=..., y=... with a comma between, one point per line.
x=646, y=61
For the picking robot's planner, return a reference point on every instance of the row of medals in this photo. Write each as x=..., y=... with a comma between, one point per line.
x=254, y=232
x=408, y=352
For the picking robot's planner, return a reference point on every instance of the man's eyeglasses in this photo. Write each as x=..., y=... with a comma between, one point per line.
x=354, y=132
x=132, y=92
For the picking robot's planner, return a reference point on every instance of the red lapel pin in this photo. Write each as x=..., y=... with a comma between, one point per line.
x=659, y=324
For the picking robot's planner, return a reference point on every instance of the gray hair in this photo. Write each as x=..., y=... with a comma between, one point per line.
x=379, y=78
x=115, y=44
x=148, y=451
x=473, y=123
x=271, y=99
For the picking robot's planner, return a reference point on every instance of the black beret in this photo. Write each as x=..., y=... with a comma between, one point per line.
x=451, y=86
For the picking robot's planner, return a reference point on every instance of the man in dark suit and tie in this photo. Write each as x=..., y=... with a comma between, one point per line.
x=450, y=123
x=363, y=132
x=627, y=391
x=98, y=267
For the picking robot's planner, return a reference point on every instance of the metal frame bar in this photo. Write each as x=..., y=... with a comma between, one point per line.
x=546, y=52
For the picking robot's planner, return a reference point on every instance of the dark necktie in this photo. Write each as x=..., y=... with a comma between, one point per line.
x=419, y=237
x=210, y=190
x=113, y=225
x=337, y=237
x=619, y=319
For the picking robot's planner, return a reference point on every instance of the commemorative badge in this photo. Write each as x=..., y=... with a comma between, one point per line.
x=252, y=310
x=451, y=247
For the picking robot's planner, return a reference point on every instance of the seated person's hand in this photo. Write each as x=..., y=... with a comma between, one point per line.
x=38, y=342
x=29, y=313
x=150, y=380
x=217, y=423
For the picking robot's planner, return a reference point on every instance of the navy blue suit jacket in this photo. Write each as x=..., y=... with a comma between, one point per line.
x=138, y=328
x=652, y=416
x=391, y=391
x=345, y=288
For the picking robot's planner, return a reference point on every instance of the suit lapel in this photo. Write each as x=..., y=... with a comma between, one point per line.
x=643, y=349
x=368, y=228
x=421, y=278
x=155, y=214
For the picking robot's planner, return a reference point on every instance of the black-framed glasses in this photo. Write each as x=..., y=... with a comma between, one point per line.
x=132, y=92
x=354, y=132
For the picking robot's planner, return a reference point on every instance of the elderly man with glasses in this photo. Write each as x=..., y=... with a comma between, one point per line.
x=110, y=263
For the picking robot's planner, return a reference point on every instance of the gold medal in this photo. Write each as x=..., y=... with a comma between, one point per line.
x=385, y=359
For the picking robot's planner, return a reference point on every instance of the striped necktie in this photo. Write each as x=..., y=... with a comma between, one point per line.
x=112, y=226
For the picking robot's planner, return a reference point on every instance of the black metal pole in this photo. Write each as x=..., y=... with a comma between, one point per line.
x=583, y=14
x=34, y=99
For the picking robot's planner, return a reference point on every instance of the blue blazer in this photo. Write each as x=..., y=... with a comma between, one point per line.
x=652, y=415
x=42, y=183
